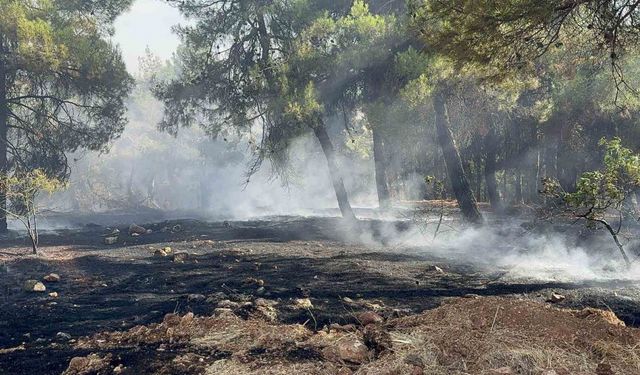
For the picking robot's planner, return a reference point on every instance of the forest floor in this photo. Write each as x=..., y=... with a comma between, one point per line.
x=295, y=295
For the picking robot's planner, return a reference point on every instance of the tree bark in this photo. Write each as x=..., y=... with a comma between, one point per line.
x=453, y=162
x=334, y=171
x=382, y=187
x=490, y=169
x=4, y=133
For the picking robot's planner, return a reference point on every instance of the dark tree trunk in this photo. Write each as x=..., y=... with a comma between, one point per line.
x=453, y=162
x=490, y=170
x=4, y=133
x=533, y=156
x=334, y=171
x=379, y=160
x=517, y=186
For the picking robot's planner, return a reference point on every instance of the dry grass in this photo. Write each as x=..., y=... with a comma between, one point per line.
x=464, y=336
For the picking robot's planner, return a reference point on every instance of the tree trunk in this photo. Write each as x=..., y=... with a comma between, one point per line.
x=518, y=186
x=453, y=162
x=379, y=160
x=4, y=133
x=334, y=171
x=533, y=155
x=490, y=170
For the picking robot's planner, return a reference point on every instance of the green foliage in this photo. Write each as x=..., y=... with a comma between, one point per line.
x=22, y=190
x=599, y=192
x=64, y=81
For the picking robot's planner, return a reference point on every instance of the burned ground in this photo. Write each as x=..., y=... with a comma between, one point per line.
x=112, y=288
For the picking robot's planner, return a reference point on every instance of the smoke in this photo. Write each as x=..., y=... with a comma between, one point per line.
x=550, y=252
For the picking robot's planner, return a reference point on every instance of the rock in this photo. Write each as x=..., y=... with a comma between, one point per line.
x=136, y=229
x=555, y=298
x=167, y=249
x=160, y=253
x=264, y=302
x=369, y=317
x=197, y=298
x=268, y=313
x=220, y=311
x=180, y=257
x=226, y=304
x=62, y=336
x=111, y=240
x=435, y=269
x=34, y=286
x=260, y=291
x=417, y=370
x=377, y=339
x=53, y=294
x=606, y=315
x=52, y=278
x=91, y=364
x=253, y=281
x=118, y=369
x=149, y=231
x=302, y=303
x=352, y=351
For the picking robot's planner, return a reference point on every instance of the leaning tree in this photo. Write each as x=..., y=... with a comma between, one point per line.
x=235, y=73
x=62, y=83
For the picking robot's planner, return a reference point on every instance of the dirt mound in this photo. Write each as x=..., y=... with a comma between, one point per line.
x=464, y=336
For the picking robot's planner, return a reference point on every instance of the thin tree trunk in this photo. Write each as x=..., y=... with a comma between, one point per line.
x=4, y=133
x=518, y=186
x=379, y=160
x=533, y=155
x=490, y=170
x=334, y=171
x=453, y=162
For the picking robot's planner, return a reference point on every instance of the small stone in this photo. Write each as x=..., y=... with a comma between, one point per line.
x=34, y=286
x=226, y=304
x=436, y=269
x=167, y=249
x=369, y=317
x=260, y=291
x=160, y=253
x=52, y=278
x=53, y=294
x=555, y=298
x=111, y=240
x=180, y=257
x=302, y=303
x=62, y=336
x=353, y=351
x=137, y=229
